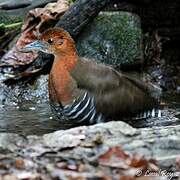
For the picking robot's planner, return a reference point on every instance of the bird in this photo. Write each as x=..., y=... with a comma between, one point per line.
x=83, y=91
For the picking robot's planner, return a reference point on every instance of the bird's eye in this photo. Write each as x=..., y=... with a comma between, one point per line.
x=50, y=41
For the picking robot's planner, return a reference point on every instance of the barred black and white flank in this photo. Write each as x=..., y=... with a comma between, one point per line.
x=82, y=110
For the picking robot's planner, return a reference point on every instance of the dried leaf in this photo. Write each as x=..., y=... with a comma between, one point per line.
x=35, y=22
x=19, y=164
x=129, y=165
x=114, y=157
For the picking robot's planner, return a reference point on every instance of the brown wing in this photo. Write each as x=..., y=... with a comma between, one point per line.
x=115, y=93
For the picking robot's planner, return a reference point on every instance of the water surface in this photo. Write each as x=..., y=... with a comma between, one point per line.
x=36, y=118
x=29, y=118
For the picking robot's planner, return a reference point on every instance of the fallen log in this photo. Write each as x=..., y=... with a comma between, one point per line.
x=80, y=14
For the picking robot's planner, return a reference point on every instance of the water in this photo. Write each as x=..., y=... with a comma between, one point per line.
x=30, y=118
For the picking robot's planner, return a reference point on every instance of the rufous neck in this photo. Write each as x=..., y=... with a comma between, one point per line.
x=67, y=60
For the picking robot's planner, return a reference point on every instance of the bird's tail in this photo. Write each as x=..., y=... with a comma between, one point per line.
x=153, y=113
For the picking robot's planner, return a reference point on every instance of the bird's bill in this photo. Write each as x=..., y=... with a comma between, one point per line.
x=36, y=45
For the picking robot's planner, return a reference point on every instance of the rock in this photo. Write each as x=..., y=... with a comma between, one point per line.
x=35, y=92
x=10, y=142
x=113, y=38
x=60, y=140
x=161, y=143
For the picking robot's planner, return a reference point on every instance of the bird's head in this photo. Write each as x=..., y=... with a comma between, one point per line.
x=53, y=41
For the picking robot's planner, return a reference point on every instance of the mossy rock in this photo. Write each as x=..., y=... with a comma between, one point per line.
x=113, y=38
